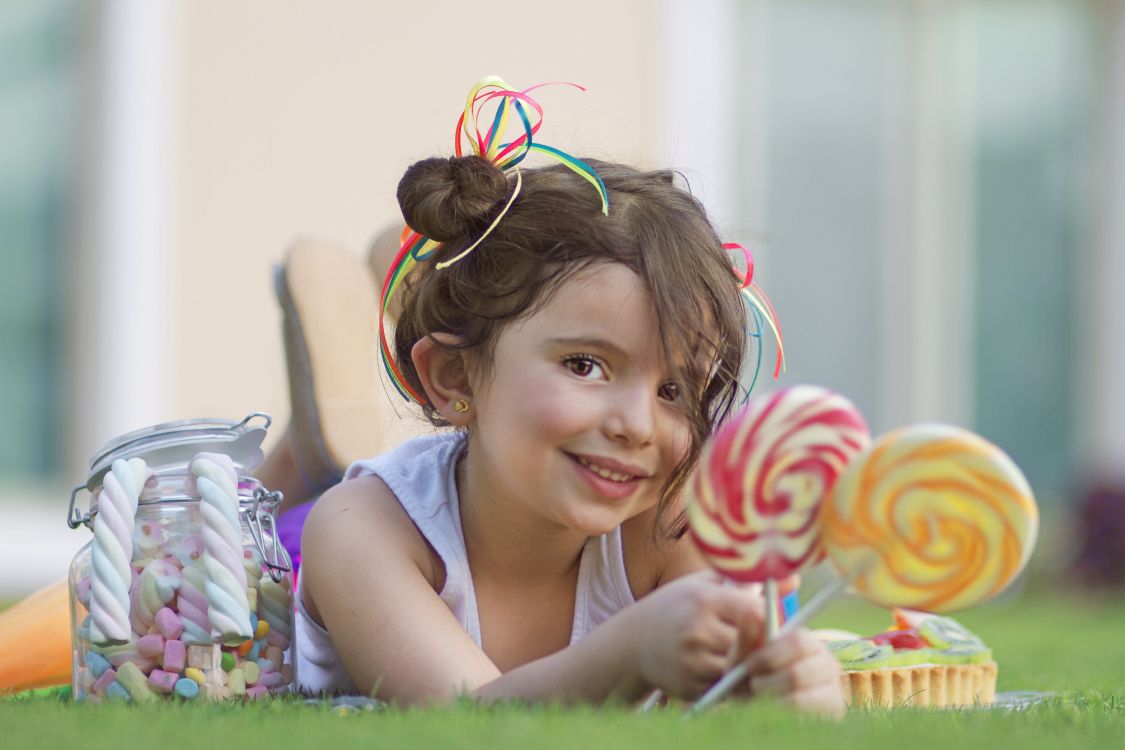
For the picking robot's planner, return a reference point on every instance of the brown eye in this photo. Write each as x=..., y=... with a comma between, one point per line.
x=669, y=391
x=584, y=366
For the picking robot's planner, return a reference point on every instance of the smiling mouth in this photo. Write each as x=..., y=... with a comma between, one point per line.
x=604, y=473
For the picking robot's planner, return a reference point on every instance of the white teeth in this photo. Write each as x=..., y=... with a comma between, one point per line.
x=605, y=473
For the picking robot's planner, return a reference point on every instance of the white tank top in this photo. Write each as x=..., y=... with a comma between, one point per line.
x=421, y=474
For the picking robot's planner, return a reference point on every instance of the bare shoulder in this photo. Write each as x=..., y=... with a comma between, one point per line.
x=360, y=525
x=369, y=578
x=652, y=557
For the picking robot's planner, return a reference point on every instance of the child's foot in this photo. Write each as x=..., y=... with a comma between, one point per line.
x=340, y=409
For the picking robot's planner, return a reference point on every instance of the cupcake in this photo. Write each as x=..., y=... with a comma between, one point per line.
x=926, y=660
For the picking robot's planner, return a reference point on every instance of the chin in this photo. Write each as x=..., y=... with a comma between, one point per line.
x=595, y=523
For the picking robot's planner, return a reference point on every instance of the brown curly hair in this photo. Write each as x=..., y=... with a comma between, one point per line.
x=554, y=228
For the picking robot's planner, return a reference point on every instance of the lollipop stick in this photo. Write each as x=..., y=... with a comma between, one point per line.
x=830, y=591
x=772, y=604
x=651, y=702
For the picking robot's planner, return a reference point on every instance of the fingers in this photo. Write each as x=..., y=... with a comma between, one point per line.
x=715, y=637
x=706, y=673
x=739, y=605
x=825, y=699
x=804, y=673
x=800, y=671
x=781, y=652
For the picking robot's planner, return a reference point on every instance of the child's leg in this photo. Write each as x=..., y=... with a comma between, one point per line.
x=342, y=408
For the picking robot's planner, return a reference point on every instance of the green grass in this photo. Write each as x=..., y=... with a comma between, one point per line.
x=1042, y=641
x=1088, y=719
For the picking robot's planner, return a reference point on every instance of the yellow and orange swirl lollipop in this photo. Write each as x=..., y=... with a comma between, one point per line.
x=932, y=518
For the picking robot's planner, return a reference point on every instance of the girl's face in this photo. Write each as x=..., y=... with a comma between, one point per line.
x=578, y=418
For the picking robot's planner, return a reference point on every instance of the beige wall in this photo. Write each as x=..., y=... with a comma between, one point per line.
x=298, y=118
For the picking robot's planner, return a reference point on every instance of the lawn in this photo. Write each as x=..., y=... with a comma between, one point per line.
x=1043, y=641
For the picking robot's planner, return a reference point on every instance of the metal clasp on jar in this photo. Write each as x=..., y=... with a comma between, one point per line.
x=75, y=517
x=255, y=517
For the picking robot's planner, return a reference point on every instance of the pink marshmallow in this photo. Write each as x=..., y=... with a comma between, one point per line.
x=275, y=638
x=103, y=682
x=269, y=679
x=193, y=547
x=257, y=691
x=169, y=623
x=175, y=656
x=163, y=681
x=152, y=530
x=143, y=663
x=151, y=645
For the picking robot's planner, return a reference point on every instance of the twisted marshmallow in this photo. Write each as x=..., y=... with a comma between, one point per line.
x=113, y=550
x=155, y=587
x=753, y=503
x=192, y=607
x=932, y=518
x=253, y=567
x=275, y=606
x=148, y=539
x=228, y=607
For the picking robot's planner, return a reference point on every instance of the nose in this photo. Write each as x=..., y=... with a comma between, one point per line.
x=631, y=414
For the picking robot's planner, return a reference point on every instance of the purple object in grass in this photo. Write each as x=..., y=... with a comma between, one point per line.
x=1100, y=529
x=289, y=527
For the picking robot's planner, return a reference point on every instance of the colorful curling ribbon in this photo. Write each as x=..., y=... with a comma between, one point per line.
x=505, y=155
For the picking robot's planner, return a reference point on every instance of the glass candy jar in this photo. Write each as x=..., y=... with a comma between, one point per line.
x=185, y=590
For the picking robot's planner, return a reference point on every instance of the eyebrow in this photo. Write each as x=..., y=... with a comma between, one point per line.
x=587, y=342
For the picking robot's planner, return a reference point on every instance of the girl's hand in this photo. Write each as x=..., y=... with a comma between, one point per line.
x=686, y=629
x=800, y=671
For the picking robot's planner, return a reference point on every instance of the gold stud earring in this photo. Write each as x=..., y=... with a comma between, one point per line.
x=460, y=406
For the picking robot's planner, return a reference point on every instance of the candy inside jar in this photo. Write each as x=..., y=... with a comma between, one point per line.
x=185, y=591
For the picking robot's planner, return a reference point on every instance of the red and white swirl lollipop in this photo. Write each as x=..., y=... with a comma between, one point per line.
x=754, y=501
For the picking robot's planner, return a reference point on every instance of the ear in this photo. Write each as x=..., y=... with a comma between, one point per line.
x=444, y=374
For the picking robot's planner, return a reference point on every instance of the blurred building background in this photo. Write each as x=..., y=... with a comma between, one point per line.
x=932, y=192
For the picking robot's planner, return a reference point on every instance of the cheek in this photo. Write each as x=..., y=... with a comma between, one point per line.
x=679, y=441
x=675, y=445
x=537, y=403
x=554, y=413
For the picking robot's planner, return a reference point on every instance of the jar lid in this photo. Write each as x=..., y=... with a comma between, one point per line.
x=169, y=447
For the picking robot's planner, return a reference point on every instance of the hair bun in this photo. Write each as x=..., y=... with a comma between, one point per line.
x=445, y=198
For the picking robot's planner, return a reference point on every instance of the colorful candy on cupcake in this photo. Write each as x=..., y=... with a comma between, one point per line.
x=925, y=660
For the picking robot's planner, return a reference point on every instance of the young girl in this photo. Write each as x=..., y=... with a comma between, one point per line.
x=535, y=551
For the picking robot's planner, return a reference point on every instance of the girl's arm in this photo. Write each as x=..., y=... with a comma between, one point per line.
x=367, y=573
